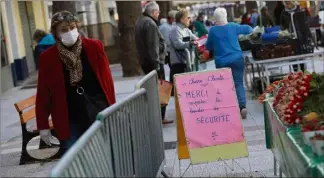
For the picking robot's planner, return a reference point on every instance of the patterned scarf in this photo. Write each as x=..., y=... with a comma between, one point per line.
x=72, y=60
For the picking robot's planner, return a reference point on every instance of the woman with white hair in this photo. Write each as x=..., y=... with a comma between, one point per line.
x=223, y=40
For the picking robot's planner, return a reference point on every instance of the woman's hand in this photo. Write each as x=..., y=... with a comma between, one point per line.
x=194, y=43
x=46, y=135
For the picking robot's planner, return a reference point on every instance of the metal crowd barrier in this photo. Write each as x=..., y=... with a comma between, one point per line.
x=89, y=157
x=126, y=124
x=150, y=83
x=125, y=141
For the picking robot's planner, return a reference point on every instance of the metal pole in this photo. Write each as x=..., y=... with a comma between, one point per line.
x=275, y=166
x=196, y=59
x=1, y=32
x=259, y=9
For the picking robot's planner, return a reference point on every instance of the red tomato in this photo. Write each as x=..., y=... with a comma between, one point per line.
x=206, y=55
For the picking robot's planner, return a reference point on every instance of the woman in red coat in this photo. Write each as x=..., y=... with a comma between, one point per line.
x=74, y=82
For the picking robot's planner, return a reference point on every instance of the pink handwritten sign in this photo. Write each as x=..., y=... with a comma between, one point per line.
x=209, y=107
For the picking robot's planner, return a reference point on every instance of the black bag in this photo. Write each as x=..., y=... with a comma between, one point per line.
x=93, y=104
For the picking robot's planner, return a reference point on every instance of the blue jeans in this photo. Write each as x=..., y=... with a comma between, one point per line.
x=75, y=133
x=237, y=71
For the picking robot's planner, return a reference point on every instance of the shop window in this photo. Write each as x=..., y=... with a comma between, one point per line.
x=4, y=57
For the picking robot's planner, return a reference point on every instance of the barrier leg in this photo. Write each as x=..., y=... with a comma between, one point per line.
x=275, y=166
x=164, y=174
x=313, y=65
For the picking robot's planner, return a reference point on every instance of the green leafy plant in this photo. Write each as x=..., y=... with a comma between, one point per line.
x=315, y=100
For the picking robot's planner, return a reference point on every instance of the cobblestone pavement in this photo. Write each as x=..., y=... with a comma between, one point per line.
x=258, y=164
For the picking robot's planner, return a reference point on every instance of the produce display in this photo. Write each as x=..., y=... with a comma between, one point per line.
x=298, y=100
x=256, y=35
x=289, y=100
x=203, y=54
x=270, y=89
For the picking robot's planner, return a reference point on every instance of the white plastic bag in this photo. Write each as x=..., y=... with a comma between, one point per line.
x=258, y=29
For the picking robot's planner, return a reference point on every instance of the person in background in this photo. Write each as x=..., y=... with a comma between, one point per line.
x=254, y=17
x=44, y=41
x=150, y=45
x=181, y=38
x=163, y=23
x=285, y=17
x=208, y=25
x=277, y=12
x=192, y=26
x=265, y=17
x=227, y=51
x=74, y=82
x=286, y=23
x=246, y=19
x=165, y=28
x=199, y=25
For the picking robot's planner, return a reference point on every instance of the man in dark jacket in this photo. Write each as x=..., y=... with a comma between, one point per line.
x=277, y=12
x=286, y=23
x=285, y=17
x=150, y=44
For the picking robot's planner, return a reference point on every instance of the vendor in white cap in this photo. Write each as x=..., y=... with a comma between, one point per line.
x=223, y=40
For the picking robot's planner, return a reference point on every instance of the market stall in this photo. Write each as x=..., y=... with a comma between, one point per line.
x=294, y=124
x=264, y=66
x=274, y=47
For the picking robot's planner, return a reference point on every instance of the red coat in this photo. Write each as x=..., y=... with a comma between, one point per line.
x=51, y=91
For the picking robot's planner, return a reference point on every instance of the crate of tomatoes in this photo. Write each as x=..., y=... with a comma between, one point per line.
x=299, y=101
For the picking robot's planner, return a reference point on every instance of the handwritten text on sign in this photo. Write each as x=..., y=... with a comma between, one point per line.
x=209, y=108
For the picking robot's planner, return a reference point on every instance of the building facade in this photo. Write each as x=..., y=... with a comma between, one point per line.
x=20, y=19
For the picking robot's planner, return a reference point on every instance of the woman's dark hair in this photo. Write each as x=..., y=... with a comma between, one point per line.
x=200, y=16
x=208, y=23
x=264, y=9
x=38, y=35
x=63, y=16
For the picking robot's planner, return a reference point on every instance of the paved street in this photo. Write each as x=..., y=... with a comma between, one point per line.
x=260, y=160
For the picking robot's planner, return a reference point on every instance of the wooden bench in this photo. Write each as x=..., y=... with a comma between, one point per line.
x=26, y=110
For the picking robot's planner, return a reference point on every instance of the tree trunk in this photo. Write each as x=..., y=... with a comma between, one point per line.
x=251, y=5
x=64, y=5
x=165, y=7
x=128, y=12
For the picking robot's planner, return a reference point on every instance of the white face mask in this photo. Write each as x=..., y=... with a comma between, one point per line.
x=69, y=38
